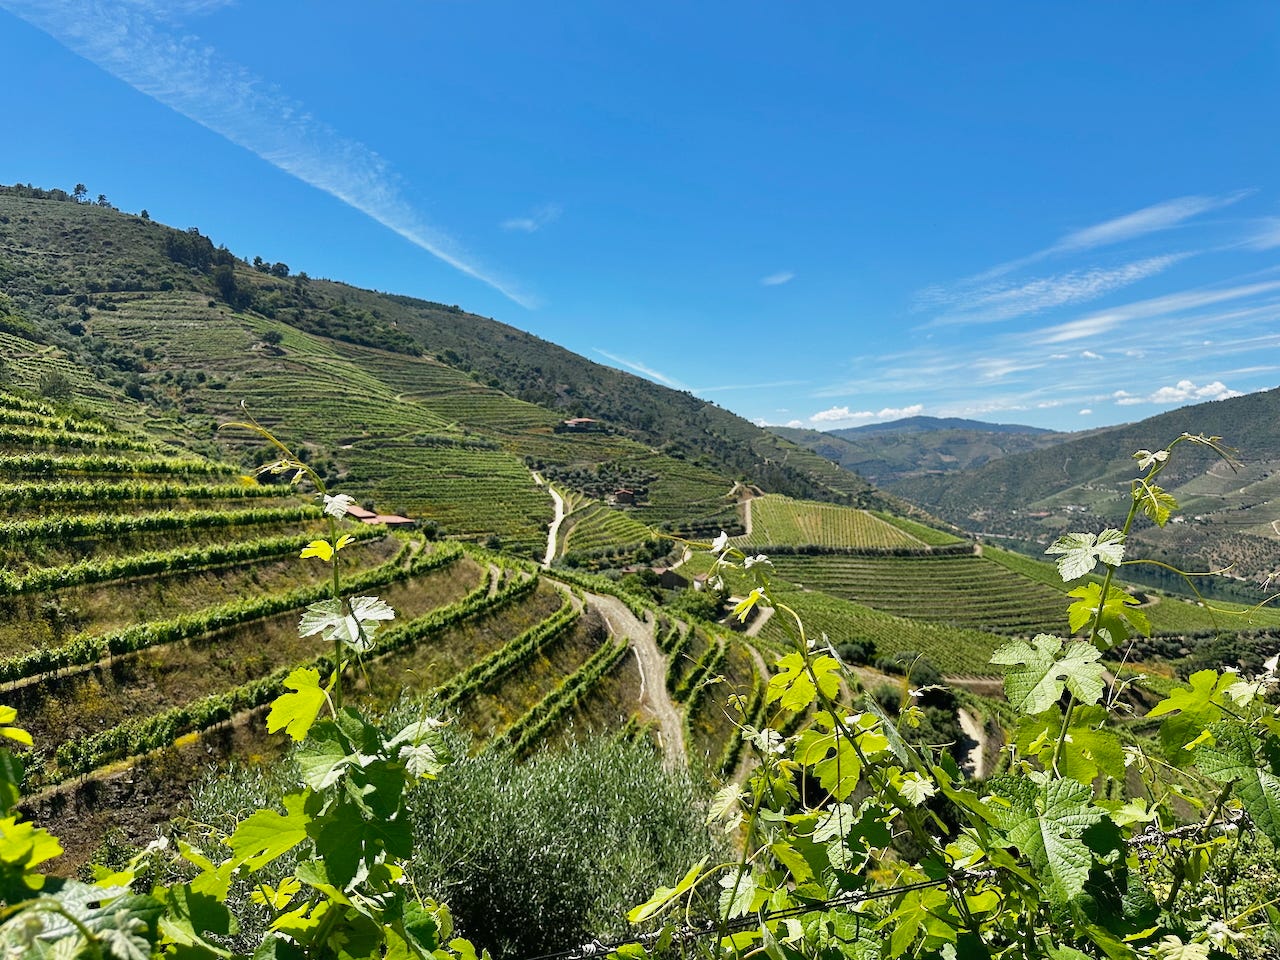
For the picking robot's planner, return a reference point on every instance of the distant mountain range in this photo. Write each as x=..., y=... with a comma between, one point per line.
x=885, y=453
x=931, y=424
x=1229, y=517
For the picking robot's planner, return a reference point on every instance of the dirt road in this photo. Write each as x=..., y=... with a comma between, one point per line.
x=653, y=672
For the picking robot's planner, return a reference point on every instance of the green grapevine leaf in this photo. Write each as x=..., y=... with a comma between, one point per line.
x=1156, y=503
x=317, y=548
x=421, y=748
x=7, y=716
x=191, y=915
x=296, y=712
x=1082, y=551
x=738, y=893
x=1173, y=948
x=1146, y=459
x=792, y=686
x=323, y=756
x=265, y=834
x=793, y=860
x=1193, y=709
x=354, y=628
x=1236, y=754
x=913, y=915
x=25, y=845
x=1037, y=673
x=1119, y=613
x=1046, y=822
x=665, y=895
x=915, y=789
x=1089, y=748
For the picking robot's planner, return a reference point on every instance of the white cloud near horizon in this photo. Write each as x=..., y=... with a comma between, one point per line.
x=138, y=42
x=777, y=279
x=840, y=415
x=542, y=215
x=1184, y=391
x=645, y=371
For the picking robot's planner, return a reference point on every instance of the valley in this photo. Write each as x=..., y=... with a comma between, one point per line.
x=542, y=528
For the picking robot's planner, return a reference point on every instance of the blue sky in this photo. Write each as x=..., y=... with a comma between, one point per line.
x=822, y=214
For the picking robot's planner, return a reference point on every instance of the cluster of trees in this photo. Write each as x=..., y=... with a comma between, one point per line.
x=280, y=270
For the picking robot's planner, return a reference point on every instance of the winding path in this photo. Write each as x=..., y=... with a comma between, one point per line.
x=553, y=529
x=653, y=671
x=977, y=759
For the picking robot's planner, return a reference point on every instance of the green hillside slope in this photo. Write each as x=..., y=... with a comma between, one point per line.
x=171, y=320
x=1227, y=523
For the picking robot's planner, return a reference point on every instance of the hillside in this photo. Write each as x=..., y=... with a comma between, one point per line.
x=374, y=384
x=151, y=601
x=1228, y=514
x=884, y=453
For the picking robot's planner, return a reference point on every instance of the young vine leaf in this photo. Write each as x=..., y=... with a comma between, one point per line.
x=1082, y=551
x=1046, y=821
x=1040, y=670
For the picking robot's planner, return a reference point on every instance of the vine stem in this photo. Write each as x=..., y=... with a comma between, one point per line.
x=1096, y=627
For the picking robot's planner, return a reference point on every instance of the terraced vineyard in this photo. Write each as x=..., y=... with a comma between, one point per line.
x=963, y=590
x=779, y=520
x=159, y=611
x=956, y=652
x=597, y=528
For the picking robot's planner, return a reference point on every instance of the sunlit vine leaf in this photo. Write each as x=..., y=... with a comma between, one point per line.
x=1046, y=822
x=296, y=712
x=792, y=686
x=1040, y=670
x=266, y=834
x=1082, y=551
x=666, y=895
x=1157, y=503
x=1119, y=616
x=1088, y=749
x=1193, y=709
x=353, y=622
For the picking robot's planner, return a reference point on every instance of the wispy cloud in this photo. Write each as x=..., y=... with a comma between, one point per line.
x=843, y=415
x=541, y=216
x=1184, y=391
x=644, y=371
x=1156, y=218
x=777, y=279
x=1266, y=235
x=994, y=302
x=1152, y=219
x=992, y=368
x=773, y=384
x=1166, y=306
x=137, y=42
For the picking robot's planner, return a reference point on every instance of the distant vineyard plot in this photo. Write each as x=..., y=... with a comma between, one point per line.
x=780, y=520
x=956, y=652
x=964, y=590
